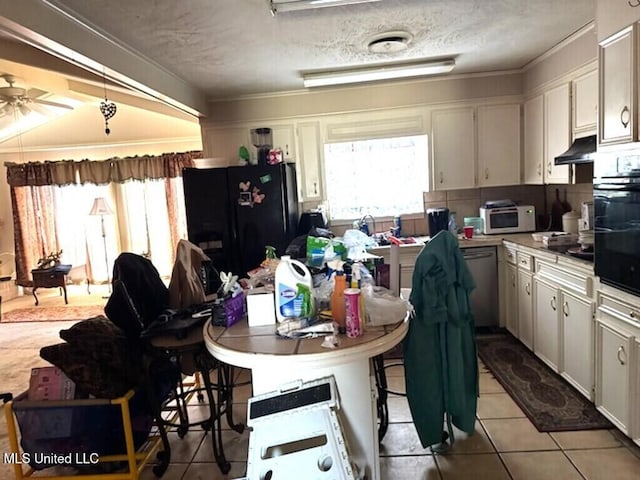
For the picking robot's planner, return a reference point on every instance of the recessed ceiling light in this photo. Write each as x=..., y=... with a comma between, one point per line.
x=389, y=42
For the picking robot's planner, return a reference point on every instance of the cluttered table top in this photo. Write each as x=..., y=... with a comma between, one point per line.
x=246, y=346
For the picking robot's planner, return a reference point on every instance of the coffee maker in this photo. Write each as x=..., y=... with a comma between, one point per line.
x=437, y=219
x=262, y=139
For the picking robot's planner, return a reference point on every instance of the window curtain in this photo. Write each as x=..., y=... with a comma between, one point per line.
x=34, y=207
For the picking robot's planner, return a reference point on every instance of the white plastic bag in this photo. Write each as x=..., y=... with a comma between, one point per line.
x=357, y=243
x=382, y=307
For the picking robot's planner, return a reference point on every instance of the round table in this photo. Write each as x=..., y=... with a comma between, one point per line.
x=275, y=361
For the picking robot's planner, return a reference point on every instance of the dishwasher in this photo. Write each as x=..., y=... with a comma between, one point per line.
x=483, y=264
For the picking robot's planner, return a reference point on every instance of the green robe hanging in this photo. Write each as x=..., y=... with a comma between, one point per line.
x=441, y=367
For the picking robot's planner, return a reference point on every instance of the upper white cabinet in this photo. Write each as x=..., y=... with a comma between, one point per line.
x=284, y=138
x=547, y=133
x=310, y=160
x=557, y=132
x=584, y=118
x=454, y=148
x=618, y=90
x=498, y=145
x=456, y=131
x=534, y=140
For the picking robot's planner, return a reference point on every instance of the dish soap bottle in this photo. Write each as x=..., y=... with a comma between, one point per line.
x=453, y=226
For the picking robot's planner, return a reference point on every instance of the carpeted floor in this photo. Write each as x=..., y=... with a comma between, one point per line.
x=546, y=398
x=45, y=314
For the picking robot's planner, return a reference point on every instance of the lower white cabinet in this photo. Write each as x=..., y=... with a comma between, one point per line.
x=613, y=374
x=525, y=308
x=546, y=324
x=511, y=301
x=577, y=342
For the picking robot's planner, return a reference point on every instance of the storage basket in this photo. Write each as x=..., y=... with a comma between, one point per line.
x=78, y=433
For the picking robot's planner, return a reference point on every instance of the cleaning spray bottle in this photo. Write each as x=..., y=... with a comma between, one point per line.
x=293, y=289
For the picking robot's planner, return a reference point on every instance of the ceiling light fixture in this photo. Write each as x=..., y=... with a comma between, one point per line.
x=280, y=6
x=371, y=74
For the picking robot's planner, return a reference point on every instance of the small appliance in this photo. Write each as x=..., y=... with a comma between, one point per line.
x=504, y=216
x=437, y=219
x=262, y=139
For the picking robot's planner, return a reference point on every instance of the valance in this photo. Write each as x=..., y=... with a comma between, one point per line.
x=99, y=172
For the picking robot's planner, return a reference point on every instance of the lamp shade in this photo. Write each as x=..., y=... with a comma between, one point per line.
x=100, y=207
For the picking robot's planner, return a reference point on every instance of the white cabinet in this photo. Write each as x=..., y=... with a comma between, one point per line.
x=224, y=143
x=613, y=381
x=618, y=90
x=546, y=324
x=511, y=304
x=557, y=132
x=618, y=361
x=584, y=112
x=525, y=308
x=456, y=163
x=498, y=145
x=284, y=138
x=577, y=342
x=534, y=140
x=454, y=148
x=310, y=160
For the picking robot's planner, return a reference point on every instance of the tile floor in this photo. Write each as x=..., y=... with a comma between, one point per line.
x=505, y=444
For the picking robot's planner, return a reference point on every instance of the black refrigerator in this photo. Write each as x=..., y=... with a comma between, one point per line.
x=234, y=212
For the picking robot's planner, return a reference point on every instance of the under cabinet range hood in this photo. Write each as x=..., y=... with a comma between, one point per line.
x=582, y=150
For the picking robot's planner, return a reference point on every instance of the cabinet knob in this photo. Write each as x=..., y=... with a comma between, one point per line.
x=549, y=167
x=315, y=188
x=565, y=309
x=486, y=174
x=527, y=288
x=632, y=314
x=539, y=171
x=441, y=178
x=625, y=117
x=621, y=351
x=553, y=303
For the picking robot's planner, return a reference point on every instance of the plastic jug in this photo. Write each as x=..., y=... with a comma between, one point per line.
x=293, y=289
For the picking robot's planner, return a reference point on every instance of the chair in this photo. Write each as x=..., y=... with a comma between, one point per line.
x=140, y=297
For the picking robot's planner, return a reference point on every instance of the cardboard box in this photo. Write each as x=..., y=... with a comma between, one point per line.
x=50, y=383
x=260, y=307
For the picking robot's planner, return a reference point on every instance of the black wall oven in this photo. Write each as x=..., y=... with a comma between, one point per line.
x=616, y=202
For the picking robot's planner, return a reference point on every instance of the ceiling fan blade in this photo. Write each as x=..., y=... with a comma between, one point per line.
x=51, y=104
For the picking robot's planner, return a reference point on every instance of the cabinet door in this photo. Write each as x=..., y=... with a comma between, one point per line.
x=546, y=330
x=612, y=386
x=557, y=132
x=310, y=160
x=498, y=145
x=454, y=154
x=512, y=300
x=585, y=104
x=577, y=346
x=284, y=138
x=525, y=308
x=617, y=122
x=534, y=140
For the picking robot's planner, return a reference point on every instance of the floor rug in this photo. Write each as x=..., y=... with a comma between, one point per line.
x=545, y=397
x=48, y=314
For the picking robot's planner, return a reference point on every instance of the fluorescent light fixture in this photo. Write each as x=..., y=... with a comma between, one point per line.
x=278, y=6
x=371, y=74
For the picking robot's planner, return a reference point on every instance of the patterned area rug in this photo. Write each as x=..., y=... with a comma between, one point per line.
x=546, y=398
x=48, y=314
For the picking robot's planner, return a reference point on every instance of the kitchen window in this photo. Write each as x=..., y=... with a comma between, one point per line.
x=381, y=177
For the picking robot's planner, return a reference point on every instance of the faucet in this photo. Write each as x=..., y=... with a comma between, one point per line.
x=364, y=227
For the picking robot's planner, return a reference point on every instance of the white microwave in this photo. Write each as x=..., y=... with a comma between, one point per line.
x=512, y=219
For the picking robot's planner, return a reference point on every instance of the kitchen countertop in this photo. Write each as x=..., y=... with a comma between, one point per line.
x=522, y=239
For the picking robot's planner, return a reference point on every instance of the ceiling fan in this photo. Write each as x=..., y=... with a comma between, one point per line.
x=16, y=99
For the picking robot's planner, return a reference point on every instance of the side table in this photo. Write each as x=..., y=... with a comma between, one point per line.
x=50, y=278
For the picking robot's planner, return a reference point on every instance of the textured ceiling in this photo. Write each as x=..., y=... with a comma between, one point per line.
x=236, y=47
